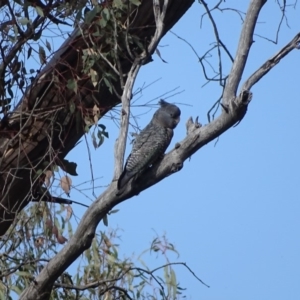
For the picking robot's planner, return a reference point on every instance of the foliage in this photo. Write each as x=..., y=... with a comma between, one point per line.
x=101, y=272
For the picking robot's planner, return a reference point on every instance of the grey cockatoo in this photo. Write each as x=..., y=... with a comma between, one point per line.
x=152, y=141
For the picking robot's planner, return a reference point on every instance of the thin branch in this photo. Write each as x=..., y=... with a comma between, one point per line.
x=13, y=269
x=120, y=145
x=245, y=42
x=117, y=59
x=271, y=62
x=283, y=16
x=216, y=32
x=96, y=284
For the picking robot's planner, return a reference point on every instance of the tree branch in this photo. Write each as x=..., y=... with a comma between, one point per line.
x=245, y=42
x=272, y=62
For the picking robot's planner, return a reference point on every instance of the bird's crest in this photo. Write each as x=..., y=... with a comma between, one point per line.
x=163, y=103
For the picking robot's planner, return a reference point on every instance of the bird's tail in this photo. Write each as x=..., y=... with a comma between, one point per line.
x=124, y=178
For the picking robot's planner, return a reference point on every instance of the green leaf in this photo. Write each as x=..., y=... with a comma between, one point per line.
x=101, y=140
x=103, y=127
x=70, y=229
x=55, y=168
x=173, y=282
x=72, y=107
x=23, y=274
x=42, y=55
x=23, y=21
x=136, y=2
x=102, y=22
x=90, y=15
x=88, y=254
x=108, y=84
x=94, y=141
x=105, y=133
x=10, y=92
x=16, y=289
x=72, y=85
x=105, y=14
x=48, y=45
x=118, y=3
x=166, y=274
x=39, y=11
x=16, y=31
x=45, y=164
x=38, y=173
x=105, y=220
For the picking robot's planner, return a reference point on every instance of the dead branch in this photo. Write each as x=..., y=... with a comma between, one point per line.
x=245, y=43
x=272, y=62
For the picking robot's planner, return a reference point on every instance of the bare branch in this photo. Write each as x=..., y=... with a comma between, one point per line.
x=271, y=63
x=120, y=145
x=283, y=16
x=218, y=41
x=245, y=42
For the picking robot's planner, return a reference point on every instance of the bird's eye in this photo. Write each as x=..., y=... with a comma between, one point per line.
x=171, y=115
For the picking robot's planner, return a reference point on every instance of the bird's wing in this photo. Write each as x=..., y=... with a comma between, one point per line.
x=149, y=144
x=147, y=147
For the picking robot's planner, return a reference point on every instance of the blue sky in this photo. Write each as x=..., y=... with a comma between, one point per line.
x=233, y=210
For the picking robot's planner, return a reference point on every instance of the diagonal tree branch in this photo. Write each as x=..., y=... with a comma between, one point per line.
x=245, y=42
x=271, y=62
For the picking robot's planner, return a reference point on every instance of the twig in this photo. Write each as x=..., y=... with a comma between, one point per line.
x=217, y=41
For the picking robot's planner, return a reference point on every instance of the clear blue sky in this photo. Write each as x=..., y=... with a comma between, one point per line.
x=233, y=211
